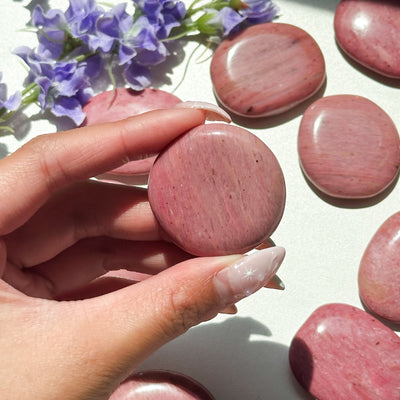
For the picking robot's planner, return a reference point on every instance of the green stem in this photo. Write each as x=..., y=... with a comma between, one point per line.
x=215, y=5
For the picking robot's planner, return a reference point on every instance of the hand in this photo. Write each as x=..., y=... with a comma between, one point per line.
x=60, y=233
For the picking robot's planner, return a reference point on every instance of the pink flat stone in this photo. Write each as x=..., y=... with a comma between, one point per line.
x=368, y=31
x=161, y=385
x=217, y=190
x=267, y=69
x=348, y=147
x=379, y=273
x=343, y=353
x=122, y=103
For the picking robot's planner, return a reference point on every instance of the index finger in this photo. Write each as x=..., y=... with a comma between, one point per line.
x=48, y=162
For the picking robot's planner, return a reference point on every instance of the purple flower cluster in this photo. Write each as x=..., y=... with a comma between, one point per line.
x=75, y=44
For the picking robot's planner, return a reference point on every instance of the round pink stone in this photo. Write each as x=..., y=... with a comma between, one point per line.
x=379, y=273
x=343, y=353
x=217, y=190
x=161, y=385
x=267, y=69
x=348, y=147
x=368, y=31
x=121, y=103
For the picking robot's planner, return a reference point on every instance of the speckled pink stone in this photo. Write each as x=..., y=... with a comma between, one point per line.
x=343, y=353
x=348, y=147
x=122, y=103
x=368, y=31
x=161, y=385
x=379, y=273
x=217, y=190
x=267, y=69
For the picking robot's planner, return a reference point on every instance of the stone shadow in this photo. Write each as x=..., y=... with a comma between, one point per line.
x=233, y=359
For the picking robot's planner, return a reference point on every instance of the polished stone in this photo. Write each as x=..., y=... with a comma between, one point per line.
x=160, y=385
x=267, y=69
x=368, y=31
x=348, y=147
x=343, y=353
x=379, y=272
x=122, y=103
x=217, y=190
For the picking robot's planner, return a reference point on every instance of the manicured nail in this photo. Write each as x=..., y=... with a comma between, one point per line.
x=248, y=274
x=213, y=112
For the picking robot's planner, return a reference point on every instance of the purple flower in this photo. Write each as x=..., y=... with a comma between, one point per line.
x=163, y=15
x=226, y=20
x=111, y=28
x=137, y=76
x=149, y=49
x=259, y=11
x=240, y=14
x=64, y=85
x=9, y=103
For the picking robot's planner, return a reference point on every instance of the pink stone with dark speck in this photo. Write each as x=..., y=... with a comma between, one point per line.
x=267, y=69
x=343, y=353
x=379, y=273
x=368, y=31
x=348, y=147
x=217, y=190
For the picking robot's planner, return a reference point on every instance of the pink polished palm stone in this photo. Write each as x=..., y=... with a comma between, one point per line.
x=267, y=69
x=343, y=353
x=348, y=147
x=160, y=385
x=216, y=190
x=368, y=31
x=379, y=273
x=121, y=103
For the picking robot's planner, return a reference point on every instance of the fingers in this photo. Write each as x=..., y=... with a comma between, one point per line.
x=47, y=163
x=85, y=209
x=136, y=320
x=76, y=267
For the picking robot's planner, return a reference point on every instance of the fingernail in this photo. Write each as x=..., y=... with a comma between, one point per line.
x=248, y=274
x=213, y=112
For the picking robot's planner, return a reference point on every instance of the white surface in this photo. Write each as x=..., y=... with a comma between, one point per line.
x=244, y=357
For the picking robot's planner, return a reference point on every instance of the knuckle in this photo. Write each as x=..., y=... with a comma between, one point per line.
x=182, y=313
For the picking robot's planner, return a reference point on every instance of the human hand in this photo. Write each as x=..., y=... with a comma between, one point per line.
x=60, y=231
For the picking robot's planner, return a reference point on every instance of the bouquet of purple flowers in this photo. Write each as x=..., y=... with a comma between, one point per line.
x=75, y=45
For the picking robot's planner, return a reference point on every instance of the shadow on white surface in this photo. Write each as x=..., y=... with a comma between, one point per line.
x=234, y=360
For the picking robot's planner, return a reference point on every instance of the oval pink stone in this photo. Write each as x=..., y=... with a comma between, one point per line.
x=267, y=69
x=121, y=103
x=348, y=147
x=368, y=31
x=343, y=353
x=379, y=273
x=160, y=385
x=217, y=190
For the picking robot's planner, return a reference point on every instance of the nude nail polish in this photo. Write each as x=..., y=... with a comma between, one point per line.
x=249, y=274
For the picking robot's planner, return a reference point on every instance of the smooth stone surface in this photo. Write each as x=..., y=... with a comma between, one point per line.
x=267, y=69
x=217, y=190
x=379, y=272
x=343, y=353
x=368, y=31
x=121, y=103
x=348, y=147
x=161, y=385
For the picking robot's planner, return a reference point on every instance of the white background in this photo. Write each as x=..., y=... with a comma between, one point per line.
x=244, y=357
